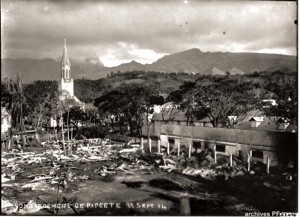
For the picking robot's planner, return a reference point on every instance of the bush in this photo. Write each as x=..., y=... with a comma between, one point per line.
x=97, y=131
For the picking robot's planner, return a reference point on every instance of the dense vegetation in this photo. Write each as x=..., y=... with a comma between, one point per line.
x=87, y=90
x=128, y=97
x=264, y=83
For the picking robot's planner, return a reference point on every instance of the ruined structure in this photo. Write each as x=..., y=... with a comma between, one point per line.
x=258, y=137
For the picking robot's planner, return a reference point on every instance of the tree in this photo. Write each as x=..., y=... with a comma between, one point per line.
x=37, y=115
x=38, y=95
x=215, y=98
x=15, y=102
x=66, y=102
x=115, y=103
x=185, y=98
x=142, y=98
x=92, y=115
x=129, y=101
x=76, y=115
x=287, y=104
x=53, y=110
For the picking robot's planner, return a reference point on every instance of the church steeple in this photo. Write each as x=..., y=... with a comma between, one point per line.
x=65, y=64
x=65, y=58
x=66, y=82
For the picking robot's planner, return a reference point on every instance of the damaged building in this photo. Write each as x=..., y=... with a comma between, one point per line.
x=254, y=135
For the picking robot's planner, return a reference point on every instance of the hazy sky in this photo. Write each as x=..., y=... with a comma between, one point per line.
x=121, y=31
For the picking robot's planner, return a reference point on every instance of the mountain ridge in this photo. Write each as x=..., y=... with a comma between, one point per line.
x=188, y=61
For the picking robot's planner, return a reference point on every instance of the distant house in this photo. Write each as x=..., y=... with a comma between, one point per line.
x=255, y=120
x=232, y=118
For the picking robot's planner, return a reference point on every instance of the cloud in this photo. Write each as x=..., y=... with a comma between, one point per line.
x=119, y=31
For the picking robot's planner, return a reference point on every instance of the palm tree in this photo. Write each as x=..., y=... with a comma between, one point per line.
x=16, y=105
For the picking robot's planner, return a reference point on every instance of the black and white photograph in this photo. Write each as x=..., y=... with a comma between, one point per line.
x=149, y=108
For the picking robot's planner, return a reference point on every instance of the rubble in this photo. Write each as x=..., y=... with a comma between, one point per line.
x=204, y=172
x=50, y=170
x=8, y=207
x=4, y=178
x=128, y=150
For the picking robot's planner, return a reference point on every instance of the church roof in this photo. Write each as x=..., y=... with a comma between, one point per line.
x=65, y=58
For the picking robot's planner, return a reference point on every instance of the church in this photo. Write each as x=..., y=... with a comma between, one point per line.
x=66, y=83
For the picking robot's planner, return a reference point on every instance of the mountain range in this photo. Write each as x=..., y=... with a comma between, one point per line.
x=189, y=61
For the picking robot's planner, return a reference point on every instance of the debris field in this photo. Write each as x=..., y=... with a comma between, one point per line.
x=43, y=181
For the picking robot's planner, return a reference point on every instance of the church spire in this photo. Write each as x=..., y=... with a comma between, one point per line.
x=65, y=58
x=66, y=82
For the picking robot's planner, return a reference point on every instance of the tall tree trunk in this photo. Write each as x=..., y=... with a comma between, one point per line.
x=38, y=122
x=215, y=122
x=10, y=143
x=71, y=144
x=112, y=124
x=122, y=127
x=10, y=138
x=71, y=132
x=22, y=127
x=68, y=127
x=138, y=125
x=55, y=131
x=130, y=127
x=62, y=133
x=57, y=125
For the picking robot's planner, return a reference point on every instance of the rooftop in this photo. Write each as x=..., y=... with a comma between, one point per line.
x=243, y=121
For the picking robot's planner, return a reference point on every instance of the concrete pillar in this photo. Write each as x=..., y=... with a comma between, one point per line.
x=142, y=143
x=178, y=150
x=185, y=208
x=168, y=148
x=71, y=132
x=248, y=162
x=150, y=144
x=268, y=164
x=215, y=153
x=202, y=145
x=158, y=146
x=190, y=150
x=231, y=160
